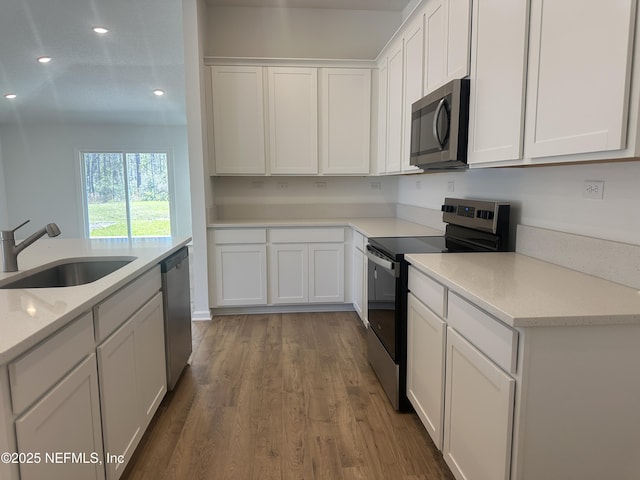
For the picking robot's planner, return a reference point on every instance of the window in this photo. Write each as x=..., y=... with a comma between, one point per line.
x=126, y=194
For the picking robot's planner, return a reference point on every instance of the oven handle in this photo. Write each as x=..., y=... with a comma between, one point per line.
x=381, y=262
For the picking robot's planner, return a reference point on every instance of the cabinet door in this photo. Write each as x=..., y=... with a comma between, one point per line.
x=383, y=77
x=413, y=68
x=326, y=273
x=358, y=281
x=238, y=120
x=478, y=413
x=289, y=273
x=66, y=419
x=345, y=115
x=293, y=120
x=394, y=110
x=498, y=66
x=579, y=76
x=119, y=377
x=435, y=45
x=241, y=274
x=150, y=358
x=426, y=334
x=458, y=39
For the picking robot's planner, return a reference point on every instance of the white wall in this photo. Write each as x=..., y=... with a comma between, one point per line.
x=41, y=169
x=4, y=220
x=547, y=197
x=298, y=32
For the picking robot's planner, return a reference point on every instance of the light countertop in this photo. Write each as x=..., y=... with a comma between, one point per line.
x=28, y=316
x=525, y=292
x=369, y=227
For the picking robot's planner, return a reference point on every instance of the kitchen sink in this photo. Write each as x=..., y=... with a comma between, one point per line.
x=69, y=273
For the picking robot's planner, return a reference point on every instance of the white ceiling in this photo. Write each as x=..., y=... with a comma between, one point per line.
x=91, y=78
x=110, y=78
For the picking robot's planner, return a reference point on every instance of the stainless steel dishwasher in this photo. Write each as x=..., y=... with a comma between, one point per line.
x=177, y=313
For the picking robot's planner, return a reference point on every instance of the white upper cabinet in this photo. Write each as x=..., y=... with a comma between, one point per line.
x=435, y=44
x=383, y=91
x=394, y=108
x=413, y=68
x=498, y=66
x=293, y=120
x=238, y=120
x=345, y=120
x=447, y=29
x=579, y=75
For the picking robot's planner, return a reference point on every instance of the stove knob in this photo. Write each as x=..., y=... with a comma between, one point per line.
x=448, y=208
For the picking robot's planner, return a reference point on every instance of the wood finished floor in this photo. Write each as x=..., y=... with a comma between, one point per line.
x=283, y=396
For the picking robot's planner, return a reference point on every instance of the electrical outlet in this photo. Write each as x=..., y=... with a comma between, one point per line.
x=282, y=185
x=418, y=185
x=321, y=185
x=451, y=186
x=257, y=185
x=593, y=189
x=375, y=186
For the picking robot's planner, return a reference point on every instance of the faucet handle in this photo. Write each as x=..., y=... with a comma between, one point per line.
x=20, y=226
x=8, y=234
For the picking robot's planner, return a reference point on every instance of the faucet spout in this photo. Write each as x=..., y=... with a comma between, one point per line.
x=10, y=250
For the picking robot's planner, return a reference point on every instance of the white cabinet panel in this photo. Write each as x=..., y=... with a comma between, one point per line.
x=66, y=419
x=458, y=38
x=394, y=109
x=359, y=272
x=150, y=352
x=579, y=76
x=345, y=118
x=241, y=274
x=119, y=396
x=326, y=273
x=238, y=120
x=293, y=120
x=426, y=336
x=478, y=414
x=288, y=273
x=498, y=66
x=413, y=68
x=435, y=45
x=383, y=90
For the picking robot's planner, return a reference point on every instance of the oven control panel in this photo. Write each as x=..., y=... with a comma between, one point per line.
x=485, y=215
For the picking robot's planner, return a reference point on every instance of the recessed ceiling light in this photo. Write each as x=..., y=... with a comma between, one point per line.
x=10, y=96
x=44, y=59
x=158, y=92
x=100, y=30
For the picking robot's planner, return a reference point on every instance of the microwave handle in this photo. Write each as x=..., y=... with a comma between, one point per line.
x=436, y=117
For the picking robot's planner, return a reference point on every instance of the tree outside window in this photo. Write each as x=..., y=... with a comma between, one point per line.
x=127, y=194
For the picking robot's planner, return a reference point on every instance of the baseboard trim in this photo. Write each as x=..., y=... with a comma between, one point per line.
x=265, y=309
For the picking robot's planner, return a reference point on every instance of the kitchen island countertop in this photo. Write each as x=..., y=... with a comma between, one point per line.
x=28, y=316
x=522, y=291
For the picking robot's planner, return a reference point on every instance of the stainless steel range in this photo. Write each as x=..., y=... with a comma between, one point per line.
x=472, y=226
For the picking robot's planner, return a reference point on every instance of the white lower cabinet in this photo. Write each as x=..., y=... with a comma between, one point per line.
x=131, y=363
x=306, y=273
x=289, y=273
x=241, y=274
x=426, y=336
x=66, y=419
x=478, y=414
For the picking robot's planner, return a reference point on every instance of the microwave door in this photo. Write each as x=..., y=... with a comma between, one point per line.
x=434, y=127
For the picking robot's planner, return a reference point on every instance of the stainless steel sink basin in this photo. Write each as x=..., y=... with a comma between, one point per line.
x=70, y=273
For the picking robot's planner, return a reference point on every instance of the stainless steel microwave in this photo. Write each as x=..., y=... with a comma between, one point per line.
x=440, y=128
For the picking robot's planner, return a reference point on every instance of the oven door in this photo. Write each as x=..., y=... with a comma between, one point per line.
x=383, y=273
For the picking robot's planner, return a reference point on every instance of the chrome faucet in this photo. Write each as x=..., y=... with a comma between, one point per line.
x=10, y=250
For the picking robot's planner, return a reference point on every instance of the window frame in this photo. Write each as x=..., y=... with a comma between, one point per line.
x=124, y=152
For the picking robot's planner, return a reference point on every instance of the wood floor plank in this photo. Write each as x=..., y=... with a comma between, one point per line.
x=283, y=397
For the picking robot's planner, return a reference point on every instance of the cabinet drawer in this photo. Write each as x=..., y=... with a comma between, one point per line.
x=306, y=235
x=240, y=235
x=42, y=367
x=359, y=241
x=112, y=313
x=428, y=291
x=493, y=338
